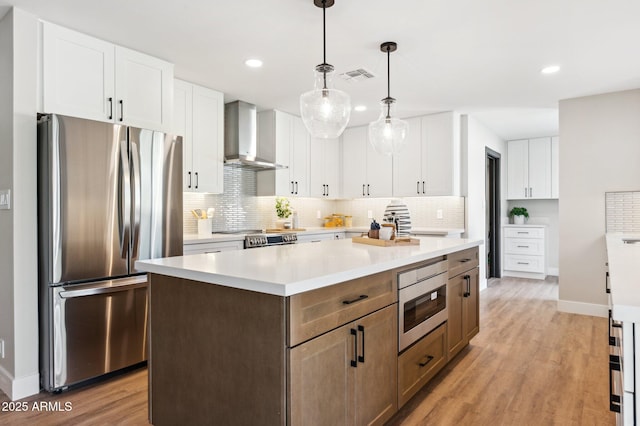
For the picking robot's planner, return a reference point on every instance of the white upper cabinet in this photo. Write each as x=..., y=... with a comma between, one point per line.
x=529, y=169
x=292, y=150
x=429, y=164
x=365, y=172
x=199, y=119
x=324, y=168
x=90, y=78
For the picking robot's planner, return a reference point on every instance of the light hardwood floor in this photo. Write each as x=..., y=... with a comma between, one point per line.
x=529, y=365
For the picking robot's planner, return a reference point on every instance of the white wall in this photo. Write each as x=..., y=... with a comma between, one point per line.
x=18, y=245
x=599, y=152
x=475, y=138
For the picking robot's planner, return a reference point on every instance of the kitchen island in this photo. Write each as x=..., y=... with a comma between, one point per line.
x=277, y=335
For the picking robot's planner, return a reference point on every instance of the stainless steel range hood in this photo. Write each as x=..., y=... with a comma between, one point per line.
x=241, y=147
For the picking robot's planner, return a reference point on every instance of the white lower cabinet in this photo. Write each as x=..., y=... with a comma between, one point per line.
x=524, y=251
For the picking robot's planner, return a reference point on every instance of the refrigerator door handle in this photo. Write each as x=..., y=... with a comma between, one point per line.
x=124, y=195
x=135, y=160
x=95, y=290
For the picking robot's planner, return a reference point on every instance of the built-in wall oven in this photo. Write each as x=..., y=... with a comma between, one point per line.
x=422, y=296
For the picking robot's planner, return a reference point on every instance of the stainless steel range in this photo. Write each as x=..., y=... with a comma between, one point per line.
x=263, y=240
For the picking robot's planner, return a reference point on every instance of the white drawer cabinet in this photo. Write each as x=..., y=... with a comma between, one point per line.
x=199, y=248
x=524, y=251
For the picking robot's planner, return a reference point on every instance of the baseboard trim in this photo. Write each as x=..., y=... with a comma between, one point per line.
x=553, y=271
x=19, y=388
x=529, y=275
x=582, y=308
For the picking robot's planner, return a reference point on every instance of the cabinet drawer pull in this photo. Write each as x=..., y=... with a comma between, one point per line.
x=424, y=364
x=523, y=263
x=523, y=246
x=354, y=361
x=465, y=260
x=359, y=298
x=361, y=357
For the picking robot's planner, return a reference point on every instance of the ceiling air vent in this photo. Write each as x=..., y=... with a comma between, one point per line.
x=354, y=76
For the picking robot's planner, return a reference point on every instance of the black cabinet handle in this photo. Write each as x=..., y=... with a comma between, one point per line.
x=418, y=187
x=327, y=190
x=121, y=110
x=291, y=187
x=607, y=289
x=358, y=299
x=110, y=108
x=354, y=361
x=423, y=187
x=467, y=280
x=368, y=190
x=324, y=190
x=197, y=180
x=424, y=364
x=363, y=189
x=465, y=260
x=189, y=186
x=296, y=187
x=361, y=357
x=615, y=401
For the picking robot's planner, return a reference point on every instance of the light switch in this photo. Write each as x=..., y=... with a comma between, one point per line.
x=5, y=199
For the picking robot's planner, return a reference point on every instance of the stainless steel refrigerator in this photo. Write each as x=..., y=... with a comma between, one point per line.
x=108, y=195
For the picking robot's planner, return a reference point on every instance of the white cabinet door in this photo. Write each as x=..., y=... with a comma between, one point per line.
x=518, y=169
x=78, y=74
x=331, y=167
x=407, y=164
x=199, y=119
x=354, y=159
x=440, y=154
x=555, y=167
x=299, y=152
x=540, y=168
x=144, y=90
x=182, y=125
x=208, y=140
x=379, y=173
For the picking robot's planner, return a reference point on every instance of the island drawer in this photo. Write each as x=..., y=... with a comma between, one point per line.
x=463, y=260
x=318, y=311
x=419, y=363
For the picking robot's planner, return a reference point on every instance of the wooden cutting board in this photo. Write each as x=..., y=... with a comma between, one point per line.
x=386, y=243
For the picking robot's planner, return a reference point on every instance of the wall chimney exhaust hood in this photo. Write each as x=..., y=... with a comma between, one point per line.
x=241, y=147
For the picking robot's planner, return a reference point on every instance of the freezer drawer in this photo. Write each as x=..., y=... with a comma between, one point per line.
x=96, y=329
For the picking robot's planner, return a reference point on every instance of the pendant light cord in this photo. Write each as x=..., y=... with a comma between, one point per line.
x=388, y=81
x=324, y=42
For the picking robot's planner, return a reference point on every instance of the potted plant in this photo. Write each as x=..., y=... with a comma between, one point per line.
x=283, y=210
x=519, y=214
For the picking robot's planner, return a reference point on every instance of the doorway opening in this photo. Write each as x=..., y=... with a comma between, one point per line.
x=492, y=214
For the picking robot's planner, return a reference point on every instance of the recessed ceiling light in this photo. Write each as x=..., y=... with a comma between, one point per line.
x=253, y=63
x=551, y=69
x=360, y=108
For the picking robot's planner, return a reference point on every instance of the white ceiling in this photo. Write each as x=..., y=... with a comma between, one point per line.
x=477, y=57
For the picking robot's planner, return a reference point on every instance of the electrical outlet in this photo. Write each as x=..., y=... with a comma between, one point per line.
x=439, y=214
x=369, y=214
x=318, y=214
x=2, y=348
x=5, y=199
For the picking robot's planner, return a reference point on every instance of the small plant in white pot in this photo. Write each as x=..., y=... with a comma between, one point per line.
x=283, y=210
x=519, y=214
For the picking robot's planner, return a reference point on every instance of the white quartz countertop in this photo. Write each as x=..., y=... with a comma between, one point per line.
x=291, y=269
x=623, y=276
x=214, y=238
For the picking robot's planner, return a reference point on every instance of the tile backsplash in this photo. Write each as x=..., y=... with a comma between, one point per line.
x=623, y=211
x=239, y=208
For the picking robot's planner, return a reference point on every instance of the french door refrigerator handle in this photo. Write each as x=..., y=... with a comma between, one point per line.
x=56, y=191
x=136, y=199
x=106, y=287
x=124, y=195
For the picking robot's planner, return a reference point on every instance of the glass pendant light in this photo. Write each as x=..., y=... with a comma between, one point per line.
x=387, y=134
x=325, y=111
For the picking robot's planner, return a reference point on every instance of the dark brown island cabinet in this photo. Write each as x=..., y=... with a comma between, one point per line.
x=329, y=356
